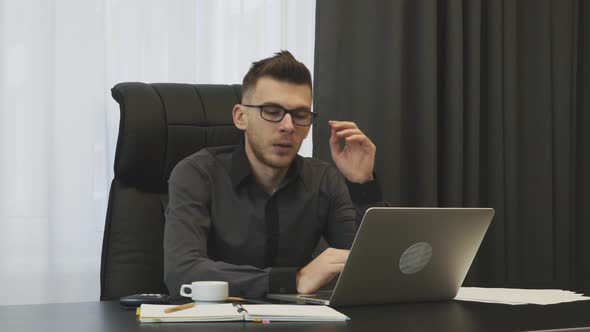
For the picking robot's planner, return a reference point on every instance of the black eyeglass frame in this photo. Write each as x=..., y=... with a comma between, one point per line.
x=285, y=111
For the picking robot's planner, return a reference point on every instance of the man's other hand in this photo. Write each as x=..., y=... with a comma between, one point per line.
x=357, y=158
x=321, y=270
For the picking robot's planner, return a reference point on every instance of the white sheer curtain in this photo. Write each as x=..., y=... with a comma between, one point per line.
x=58, y=122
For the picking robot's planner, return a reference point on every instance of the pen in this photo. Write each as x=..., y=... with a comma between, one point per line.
x=235, y=298
x=240, y=299
x=179, y=307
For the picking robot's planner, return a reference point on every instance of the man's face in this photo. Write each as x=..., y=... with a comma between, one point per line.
x=274, y=144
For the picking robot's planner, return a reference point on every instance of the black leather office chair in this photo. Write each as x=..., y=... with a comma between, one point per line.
x=160, y=124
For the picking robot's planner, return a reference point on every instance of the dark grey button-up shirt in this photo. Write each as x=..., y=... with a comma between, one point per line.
x=221, y=225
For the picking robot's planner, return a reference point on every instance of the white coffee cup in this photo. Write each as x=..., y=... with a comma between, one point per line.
x=206, y=291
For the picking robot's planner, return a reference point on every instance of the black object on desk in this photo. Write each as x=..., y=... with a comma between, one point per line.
x=136, y=300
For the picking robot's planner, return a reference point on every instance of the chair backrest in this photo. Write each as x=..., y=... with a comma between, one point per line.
x=160, y=124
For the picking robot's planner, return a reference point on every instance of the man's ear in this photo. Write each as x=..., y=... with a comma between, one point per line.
x=240, y=117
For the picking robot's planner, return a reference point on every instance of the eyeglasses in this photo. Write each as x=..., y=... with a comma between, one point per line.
x=275, y=113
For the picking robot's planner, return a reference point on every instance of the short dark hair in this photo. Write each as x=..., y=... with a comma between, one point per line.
x=282, y=67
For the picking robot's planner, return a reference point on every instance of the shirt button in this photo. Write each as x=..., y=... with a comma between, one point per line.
x=282, y=290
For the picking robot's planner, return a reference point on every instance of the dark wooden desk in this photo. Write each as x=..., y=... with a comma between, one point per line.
x=439, y=316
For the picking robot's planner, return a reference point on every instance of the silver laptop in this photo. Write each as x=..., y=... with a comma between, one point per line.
x=406, y=255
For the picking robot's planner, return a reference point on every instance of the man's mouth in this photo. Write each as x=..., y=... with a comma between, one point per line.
x=283, y=146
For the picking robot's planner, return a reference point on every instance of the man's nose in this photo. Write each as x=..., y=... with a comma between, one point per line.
x=286, y=124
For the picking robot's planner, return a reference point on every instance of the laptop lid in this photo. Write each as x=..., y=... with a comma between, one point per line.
x=408, y=255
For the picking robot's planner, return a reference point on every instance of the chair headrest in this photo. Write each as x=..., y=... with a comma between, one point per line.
x=162, y=123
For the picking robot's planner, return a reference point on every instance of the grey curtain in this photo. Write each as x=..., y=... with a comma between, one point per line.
x=472, y=103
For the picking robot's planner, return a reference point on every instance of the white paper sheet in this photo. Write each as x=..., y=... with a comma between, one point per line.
x=516, y=296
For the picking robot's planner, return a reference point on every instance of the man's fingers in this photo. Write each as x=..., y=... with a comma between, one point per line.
x=335, y=143
x=349, y=132
x=339, y=125
x=336, y=267
x=321, y=270
x=356, y=139
x=334, y=251
x=336, y=256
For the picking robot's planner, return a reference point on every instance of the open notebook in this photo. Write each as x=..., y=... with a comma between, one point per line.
x=240, y=312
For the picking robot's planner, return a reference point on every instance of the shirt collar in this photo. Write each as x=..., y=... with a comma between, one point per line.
x=240, y=167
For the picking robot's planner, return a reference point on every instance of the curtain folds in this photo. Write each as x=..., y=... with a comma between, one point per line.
x=472, y=103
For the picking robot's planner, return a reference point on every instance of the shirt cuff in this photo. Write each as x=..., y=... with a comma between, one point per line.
x=365, y=193
x=282, y=280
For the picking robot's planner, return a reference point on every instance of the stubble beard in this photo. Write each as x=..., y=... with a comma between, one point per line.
x=257, y=150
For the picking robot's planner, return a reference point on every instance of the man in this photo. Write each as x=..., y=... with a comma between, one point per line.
x=252, y=214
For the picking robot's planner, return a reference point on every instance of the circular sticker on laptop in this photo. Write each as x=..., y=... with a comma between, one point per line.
x=415, y=258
